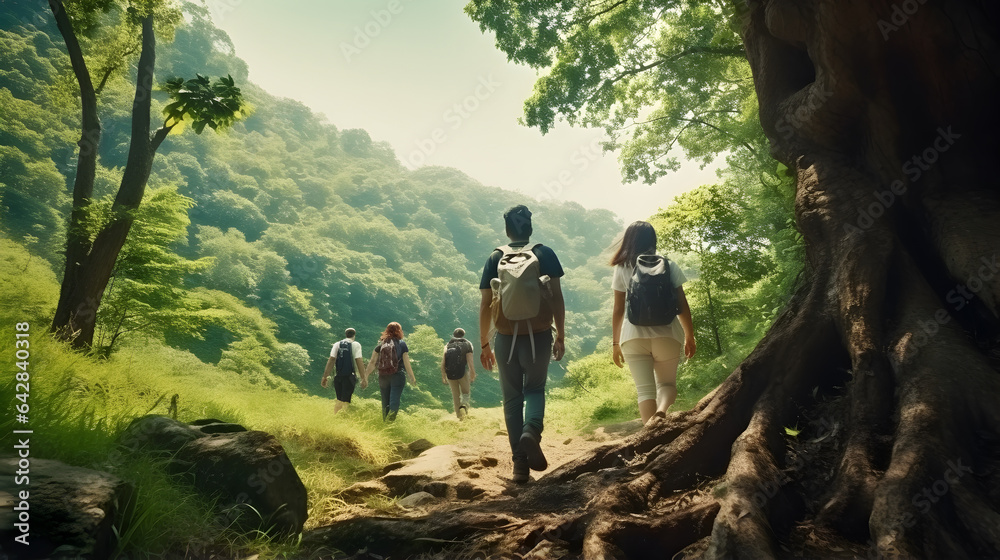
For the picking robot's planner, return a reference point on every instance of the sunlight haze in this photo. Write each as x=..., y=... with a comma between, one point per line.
x=422, y=77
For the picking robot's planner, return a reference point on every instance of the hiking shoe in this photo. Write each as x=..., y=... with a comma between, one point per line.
x=521, y=474
x=536, y=459
x=463, y=412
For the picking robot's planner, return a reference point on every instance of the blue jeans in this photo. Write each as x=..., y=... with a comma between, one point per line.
x=522, y=383
x=391, y=387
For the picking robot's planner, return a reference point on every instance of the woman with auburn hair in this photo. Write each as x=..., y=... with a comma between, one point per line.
x=392, y=357
x=651, y=351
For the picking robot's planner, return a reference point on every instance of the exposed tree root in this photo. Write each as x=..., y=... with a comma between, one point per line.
x=649, y=536
x=385, y=536
x=741, y=528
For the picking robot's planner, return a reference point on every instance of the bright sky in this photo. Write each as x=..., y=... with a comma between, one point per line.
x=423, y=77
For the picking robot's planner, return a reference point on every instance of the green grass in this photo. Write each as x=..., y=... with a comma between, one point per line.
x=159, y=513
x=80, y=404
x=595, y=392
x=592, y=393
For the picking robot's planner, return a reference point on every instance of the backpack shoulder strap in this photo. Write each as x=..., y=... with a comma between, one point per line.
x=508, y=249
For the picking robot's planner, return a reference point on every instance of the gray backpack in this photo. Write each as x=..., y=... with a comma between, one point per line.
x=520, y=290
x=517, y=289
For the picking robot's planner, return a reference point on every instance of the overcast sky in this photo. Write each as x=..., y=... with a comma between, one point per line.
x=421, y=76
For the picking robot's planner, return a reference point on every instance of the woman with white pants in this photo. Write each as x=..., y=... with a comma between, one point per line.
x=652, y=352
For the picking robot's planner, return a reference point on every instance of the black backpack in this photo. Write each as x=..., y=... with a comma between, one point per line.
x=454, y=358
x=345, y=358
x=651, y=298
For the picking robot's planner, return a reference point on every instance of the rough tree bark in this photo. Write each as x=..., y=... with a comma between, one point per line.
x=887, y=357
x=77, y=242
x=89, y=264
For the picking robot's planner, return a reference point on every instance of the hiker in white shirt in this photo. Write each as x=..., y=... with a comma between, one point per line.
x=347, y=366
x=652, y=352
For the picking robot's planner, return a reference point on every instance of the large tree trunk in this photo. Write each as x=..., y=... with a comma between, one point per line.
x=887, y=358
x=77, y=241
x=89, y=266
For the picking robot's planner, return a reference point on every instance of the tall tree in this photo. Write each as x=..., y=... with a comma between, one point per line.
x=90, y=261
x=886, y=359
x=730, y=245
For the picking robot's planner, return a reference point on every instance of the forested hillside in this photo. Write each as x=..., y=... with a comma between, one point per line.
x=255, y=248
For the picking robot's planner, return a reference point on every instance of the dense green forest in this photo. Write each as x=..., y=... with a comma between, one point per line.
x=257, y=247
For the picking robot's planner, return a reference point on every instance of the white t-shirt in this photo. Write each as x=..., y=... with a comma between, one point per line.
x=355, y=348
x=674, y=330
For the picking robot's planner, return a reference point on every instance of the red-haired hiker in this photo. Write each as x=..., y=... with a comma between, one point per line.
x=392, y=358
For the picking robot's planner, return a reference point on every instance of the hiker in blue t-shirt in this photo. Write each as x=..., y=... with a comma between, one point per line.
x=523, y=347
x=391, y=357
x=345, y=357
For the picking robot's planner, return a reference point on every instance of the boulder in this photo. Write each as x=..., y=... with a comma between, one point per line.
x=433, y=472
x=70, y=511
x=158, y=434
x=248, y=472
x=164, y=434
x=254, y=479
x=435, y=464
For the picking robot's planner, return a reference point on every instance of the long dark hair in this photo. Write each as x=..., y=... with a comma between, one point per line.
x=639, y=238
x=392, y=330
